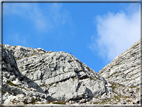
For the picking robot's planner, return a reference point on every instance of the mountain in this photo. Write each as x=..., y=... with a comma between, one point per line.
x=36, y=76
x=124, y=73
x=125, y=68
x=48, y=76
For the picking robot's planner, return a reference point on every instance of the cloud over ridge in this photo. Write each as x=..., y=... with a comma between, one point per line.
x=116, y=32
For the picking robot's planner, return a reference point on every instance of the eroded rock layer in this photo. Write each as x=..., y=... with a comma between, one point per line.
x=49, y=75
x=36, y=76
x=124, y=74
x=125, y=68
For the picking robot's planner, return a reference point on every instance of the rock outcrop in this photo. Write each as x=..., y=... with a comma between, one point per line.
x=125, y=68
x=36, y=76
x=124, y=73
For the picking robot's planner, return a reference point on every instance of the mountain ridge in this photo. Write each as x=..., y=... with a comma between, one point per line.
x=36, y=76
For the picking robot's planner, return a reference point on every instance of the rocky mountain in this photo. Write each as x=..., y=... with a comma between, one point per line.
x=48, y=76
x=125, y=68
x=35, y=76
x=124, y=73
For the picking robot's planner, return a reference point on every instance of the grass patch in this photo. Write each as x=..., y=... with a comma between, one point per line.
x=117, y=64
x=44, y=85
x=26, y=56
x=2, y=106
x=96, y=102
x=117, y=97
x=10, y=83
x=112, y=74
x=91, y=78
x=115, y=85
x=6, y=91
x=74, y=78
x=133, y=86
x=52, y=84
x=13, y=101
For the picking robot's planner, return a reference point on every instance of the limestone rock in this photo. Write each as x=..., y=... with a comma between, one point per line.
x=125, y=68
x=123, y=73
x=42, y=77
x=48, y=76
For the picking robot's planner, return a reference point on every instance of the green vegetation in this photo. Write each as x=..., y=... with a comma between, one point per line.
x=44, y=85
x=92, y=78
x=26, y=56
x=117, y=98
x=133, y=55
x=116, y=85
x=112, y=74
x=96, y=103
x=135, y=46
x=117, y=64
x=133, y=75
x=6, y=91
x=34, y=100
x=13, y=101
x=2, y=106
x=135, y=87
x=10, y=83
x=18, y=58
x=51, y=84
x=74, y=78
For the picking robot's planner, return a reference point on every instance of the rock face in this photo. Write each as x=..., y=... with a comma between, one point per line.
x=125, y=68
x=35, y=76
x=124, y=73
x=48, y=75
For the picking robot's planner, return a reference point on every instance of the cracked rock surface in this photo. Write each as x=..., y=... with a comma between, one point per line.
x=36, y=76
x=124, y=74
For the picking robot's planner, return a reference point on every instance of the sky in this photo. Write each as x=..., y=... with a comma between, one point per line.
x=95, y=33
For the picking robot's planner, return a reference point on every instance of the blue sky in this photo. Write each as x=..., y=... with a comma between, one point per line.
x=95, y=33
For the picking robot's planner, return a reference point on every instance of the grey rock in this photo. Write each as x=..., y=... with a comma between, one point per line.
x=124, y=73
x=41, y=77
x=125, y=68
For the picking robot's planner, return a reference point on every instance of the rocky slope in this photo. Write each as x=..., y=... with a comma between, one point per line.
x=125, y=70
x=35, y=76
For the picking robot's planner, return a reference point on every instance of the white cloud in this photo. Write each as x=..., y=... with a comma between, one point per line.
x=44, y=18
x=116, y=32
